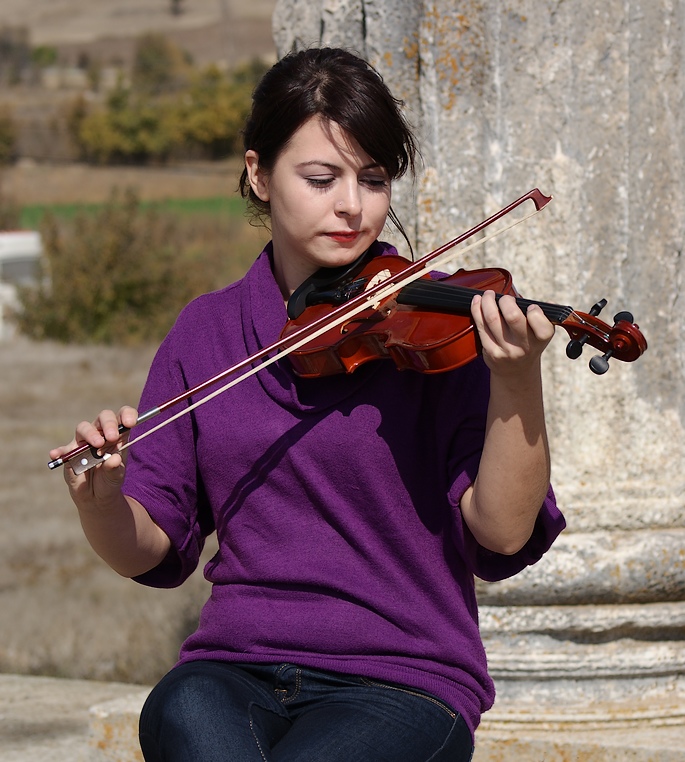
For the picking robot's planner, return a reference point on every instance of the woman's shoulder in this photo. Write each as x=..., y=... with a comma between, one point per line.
x=212, y=302
x=209, y=318
x=224, y=304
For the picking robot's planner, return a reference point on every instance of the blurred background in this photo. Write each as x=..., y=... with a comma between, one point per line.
x=119, y=159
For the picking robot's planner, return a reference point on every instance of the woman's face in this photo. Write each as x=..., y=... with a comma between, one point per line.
x=329, y=201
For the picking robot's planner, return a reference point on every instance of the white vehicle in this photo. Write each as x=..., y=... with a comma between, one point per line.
x=20, y=252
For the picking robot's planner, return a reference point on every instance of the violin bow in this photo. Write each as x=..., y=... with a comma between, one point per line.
x=84, y=457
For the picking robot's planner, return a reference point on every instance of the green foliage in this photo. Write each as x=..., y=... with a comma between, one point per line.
x=43, y=56
x=121, y=273
x=133, y=129
x=8, y=136
x=170, y=109
x=113, y=277
x=193, y=212
x=214, y=112
x=73, y=114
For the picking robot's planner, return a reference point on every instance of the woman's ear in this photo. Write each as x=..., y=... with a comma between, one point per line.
x=259, y=182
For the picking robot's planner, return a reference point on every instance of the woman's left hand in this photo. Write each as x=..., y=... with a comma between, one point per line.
x=512, y=341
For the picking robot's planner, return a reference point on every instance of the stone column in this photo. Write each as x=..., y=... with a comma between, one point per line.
x=584, y=100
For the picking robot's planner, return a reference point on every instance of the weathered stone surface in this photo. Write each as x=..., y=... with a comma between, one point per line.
x=600, y=567
x=114, y=729
x=506, y=96
x=585, y=101
x=47, y=719
x=580, y=745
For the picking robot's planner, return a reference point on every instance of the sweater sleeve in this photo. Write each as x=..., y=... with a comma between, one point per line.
x=465, y=450
x=491, y=566
x=162, y=474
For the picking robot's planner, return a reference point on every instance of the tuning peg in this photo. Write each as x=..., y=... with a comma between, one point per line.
x=623, y=315
x=574, y=349
x=598, y=307
x=599, y=364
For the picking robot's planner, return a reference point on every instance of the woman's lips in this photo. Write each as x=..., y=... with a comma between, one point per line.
x=344, y=236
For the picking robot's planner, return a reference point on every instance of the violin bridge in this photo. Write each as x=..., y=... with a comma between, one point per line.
x=378, y=278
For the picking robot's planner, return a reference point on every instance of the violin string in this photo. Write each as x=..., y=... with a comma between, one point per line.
x=446, y=296
x=595, y=326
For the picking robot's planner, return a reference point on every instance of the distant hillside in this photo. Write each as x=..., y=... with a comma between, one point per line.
x=211, y=30
x=54, y=22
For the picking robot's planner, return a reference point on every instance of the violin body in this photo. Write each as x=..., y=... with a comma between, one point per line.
x=427, y=326
x=425, y=340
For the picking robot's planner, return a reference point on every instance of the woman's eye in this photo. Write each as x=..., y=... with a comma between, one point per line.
x=376, y=181
x=320, y=182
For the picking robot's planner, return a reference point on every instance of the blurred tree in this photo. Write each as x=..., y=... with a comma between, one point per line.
x=114, y=277
x=133, y=129
x=73, y=113
x=214, y=111
x=43, y=56
x=8, y=136
x=169, y=109
x=10, y=214
x=15, y=54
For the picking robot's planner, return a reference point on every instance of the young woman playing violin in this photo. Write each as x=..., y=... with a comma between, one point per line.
x=352, y=511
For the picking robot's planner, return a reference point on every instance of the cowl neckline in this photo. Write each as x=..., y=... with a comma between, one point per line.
x=263, y=315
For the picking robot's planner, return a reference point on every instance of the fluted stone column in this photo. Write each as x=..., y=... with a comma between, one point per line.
x=584, y=100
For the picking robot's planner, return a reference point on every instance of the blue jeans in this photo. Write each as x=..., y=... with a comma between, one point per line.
x=208, y=711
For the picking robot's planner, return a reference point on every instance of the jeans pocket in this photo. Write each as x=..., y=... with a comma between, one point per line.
x=458, y=746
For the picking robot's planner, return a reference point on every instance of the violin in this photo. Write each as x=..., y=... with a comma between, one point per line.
x=426, y=326
x=388, y=307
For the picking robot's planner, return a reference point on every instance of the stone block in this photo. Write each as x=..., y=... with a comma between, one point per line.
x=114, y=729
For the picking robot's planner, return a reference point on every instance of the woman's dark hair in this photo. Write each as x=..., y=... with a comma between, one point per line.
x=339, y=87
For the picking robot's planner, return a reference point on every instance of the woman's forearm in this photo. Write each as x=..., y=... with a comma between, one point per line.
x=501, y=506
x=513, y=477
x=124, y=536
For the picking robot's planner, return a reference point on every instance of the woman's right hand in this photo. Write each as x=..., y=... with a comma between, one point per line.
x=118, y=527
x=99, y=486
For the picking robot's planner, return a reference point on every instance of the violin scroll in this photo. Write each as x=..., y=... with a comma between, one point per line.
x=623, y=340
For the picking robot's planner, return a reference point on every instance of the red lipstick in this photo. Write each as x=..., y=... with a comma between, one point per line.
x=347, y=236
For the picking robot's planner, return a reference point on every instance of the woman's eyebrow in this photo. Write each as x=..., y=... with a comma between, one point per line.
x=318, y=163
x=332, y=167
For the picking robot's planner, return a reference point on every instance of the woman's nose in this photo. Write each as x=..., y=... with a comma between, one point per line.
x=349, y=202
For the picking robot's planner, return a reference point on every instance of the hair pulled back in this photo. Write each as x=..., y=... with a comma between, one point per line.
x=339, y=87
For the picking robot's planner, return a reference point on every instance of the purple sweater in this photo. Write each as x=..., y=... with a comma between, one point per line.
x=335, y=502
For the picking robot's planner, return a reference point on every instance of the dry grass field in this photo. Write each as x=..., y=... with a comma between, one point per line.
x=31, y=183
x=64, y=612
